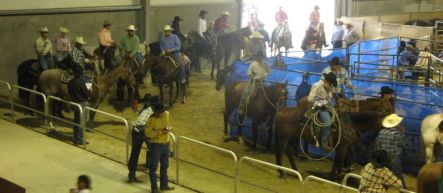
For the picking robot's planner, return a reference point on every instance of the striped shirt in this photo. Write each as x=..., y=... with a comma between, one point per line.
x=63, y=44
x=143, y=117
x=342, y=79
x=391, y=140
x=374, y=179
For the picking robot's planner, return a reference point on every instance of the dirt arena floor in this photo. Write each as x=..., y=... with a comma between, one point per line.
x=201, y=119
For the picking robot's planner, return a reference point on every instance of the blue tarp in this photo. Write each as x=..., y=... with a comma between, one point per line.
x=412, y=101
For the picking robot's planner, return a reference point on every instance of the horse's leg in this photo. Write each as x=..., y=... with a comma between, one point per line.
x=270, y=131
x=171, y=96
x=292, y=145
x=254, y=134
x=339, y=160
x=429, y=149
x=184, y=92
x=160, y=87
x=279, y=154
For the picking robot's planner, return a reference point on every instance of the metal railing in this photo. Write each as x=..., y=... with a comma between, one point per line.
x=342, y=188
x=9, y=98
x=45, y=103
x=263, y=163
x=358, y=177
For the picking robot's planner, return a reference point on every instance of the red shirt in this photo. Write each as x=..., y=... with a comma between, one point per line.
x=314, y=18
x=280, y=16
x=220, y=24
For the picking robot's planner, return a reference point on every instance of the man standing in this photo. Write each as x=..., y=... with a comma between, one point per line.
x=314, y=18
x=170, y=44
x=157, y=131
x=320, y=96
x=341, y=74
x=351, y=36
x=79, y=91
x=107, y=45
x=63, y=45
x=130, y=44
x=337, y=36
x=82, y=58
x=392, y=139
x=221, y=23
x=43, y=47
x=280, y=16
x=406, y=60
x=202, y=25
x=176, y=27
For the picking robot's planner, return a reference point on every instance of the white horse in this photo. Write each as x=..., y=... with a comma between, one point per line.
x=430, y=133
x=281, y=37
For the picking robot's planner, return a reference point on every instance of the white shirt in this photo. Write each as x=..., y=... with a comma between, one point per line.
x=201, y=26
x=318, y=95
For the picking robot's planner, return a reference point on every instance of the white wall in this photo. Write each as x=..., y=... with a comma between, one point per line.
x=188, y=2
x=51, y=4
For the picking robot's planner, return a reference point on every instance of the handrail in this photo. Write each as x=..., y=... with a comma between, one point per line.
x=315, y=178
x=86, y=109
x=246, y=158
x=45, y=102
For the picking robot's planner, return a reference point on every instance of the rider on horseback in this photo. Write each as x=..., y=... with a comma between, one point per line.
x=107, y=45
x=130, y=45
x=170, y=45
x=320, y=96
x=254, y=46
x=342, y=78
x=258, y=71
x=82, y=58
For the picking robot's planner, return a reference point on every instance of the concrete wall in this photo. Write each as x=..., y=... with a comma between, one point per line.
x=383, y=7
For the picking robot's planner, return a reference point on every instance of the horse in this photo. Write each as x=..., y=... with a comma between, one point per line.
x=228, y=44
x=385, y=106
x=262, y=108
x=281, y=37
x=288, y=132
x=200, y=49
x=50, y=82
x=133, y=90
x=165, y=71
x=432, y=137
x=27, y=76
x=428, y=178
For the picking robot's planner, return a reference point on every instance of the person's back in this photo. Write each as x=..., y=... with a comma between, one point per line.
x=376, y=179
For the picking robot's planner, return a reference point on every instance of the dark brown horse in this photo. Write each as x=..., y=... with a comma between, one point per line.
x=262, y=107
x=165, y=71
x=199, y=49
x=288, y=128
x=229, y=44
x=428, y=178
x=384, y=106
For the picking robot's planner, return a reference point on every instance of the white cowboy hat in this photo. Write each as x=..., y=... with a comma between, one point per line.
x=391, y=121
x=256, y=35
x=349, y=23
x=131, y=28
x=80, y=40
x=44, y=29
x=226, y=13
x=168, y=28
x=63, y=30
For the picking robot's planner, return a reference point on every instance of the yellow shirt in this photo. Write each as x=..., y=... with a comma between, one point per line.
x=43, y=46
x=155, y=126
x=104, y=37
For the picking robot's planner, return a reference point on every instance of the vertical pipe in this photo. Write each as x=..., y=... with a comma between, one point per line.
x=177, y=161
x=10, y=98
x=83, y=123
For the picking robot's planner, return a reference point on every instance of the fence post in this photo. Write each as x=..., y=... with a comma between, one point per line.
x=177, y=162
x=428, y=72
x=83, y=119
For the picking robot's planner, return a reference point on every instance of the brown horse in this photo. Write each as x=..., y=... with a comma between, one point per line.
x=428, y=178
x=384, y=106
x=229, y=44
x=165, y=71
x=288, y=129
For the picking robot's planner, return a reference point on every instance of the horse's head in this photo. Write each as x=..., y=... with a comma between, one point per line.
x=281, y=93
x=222, y=74
x=386, y=106
x=126, y=73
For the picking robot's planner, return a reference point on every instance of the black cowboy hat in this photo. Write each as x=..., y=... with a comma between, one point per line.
x=202, y=12
x=178, y=18
x=146, y=99
x=386, y=90
x=159, y=107
x=331, y=78
x=335, y=61
x=380, y=159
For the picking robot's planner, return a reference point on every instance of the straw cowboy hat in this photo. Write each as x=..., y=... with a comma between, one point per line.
x=391, y=121
x=80, y=40
x=131, y=28
x=349, y=24
x=44, y=30
x=168, y=28
x=256, y=35
x=226, y=13
x=107, y=22
x=63, y=30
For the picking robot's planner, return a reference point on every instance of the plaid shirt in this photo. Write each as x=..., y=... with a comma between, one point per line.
x=391, y=140
x=318, y=95
x=342, y=79
x=63, y=44
x=374, y=180
x=143, y=116
x=78, y=56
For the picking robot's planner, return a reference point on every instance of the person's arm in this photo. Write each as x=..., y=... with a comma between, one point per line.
x=391, y=180
x=312, y=93
x=102, y=39
x=39, y=46
x=150, y=132
x=48, y=47
x=162, y=44
x=84, y=90
x=136, y=48
x=347, y=79
x=177, y=44
x=251, y=69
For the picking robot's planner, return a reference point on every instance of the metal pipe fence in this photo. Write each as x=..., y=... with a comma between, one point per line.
x=358, y=177
x=44, y=100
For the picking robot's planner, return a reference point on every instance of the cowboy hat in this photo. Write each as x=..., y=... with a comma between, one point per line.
x=44, y=30
x=349, y=24
x=226, y=13
x=131, y=28
x=80, y=40
x=178, y=18
x=168, y=28
x=316, y=7
x=335, y=61
x=331, y=78
x=107, y=22
x=386, y=90
x=256, y=35
x=146, y=99
x=63, y=30
x=159, y=107
x=391, y=121
x=202, y=12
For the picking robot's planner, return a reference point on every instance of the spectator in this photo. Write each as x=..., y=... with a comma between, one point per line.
x=314, y=17
x=321, y=37
x=392, y=140
x=376, y=177
x=406, y=60
x=421, y=66
x=83, y=185
x=63, y=45
x=43, y=47
x=157, y=131
x=351, y=36
x=342, y=75
x=337, y=37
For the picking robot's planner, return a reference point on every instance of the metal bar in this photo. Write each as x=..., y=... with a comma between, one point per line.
x=70, y=10
x=358, y=177
x=229, y=152
x=256, y=161
x=45, y=101
x=9, y=100
x=116, y=117
x=314, y=178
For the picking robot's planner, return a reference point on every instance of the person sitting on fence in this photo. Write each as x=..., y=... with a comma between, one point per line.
x=43, y=47
x=138, y=135
x=320, y=96
x=254, y=46
x=83, y=58
x=342, y=77
x=376, y=177
x=425, y=58
x=83, y=185
x=130, y=45
x=392, y=139
x=157, y=131
x=63, y=45
x=258, y=71
x=406, y=59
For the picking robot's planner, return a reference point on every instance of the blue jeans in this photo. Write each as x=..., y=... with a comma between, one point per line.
x=178, y=59
x=138, y=138
x=139, y=58
x=396, y=168
x=78, y=131
x=325, y=117
x=45, y=61
x=158, y=153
